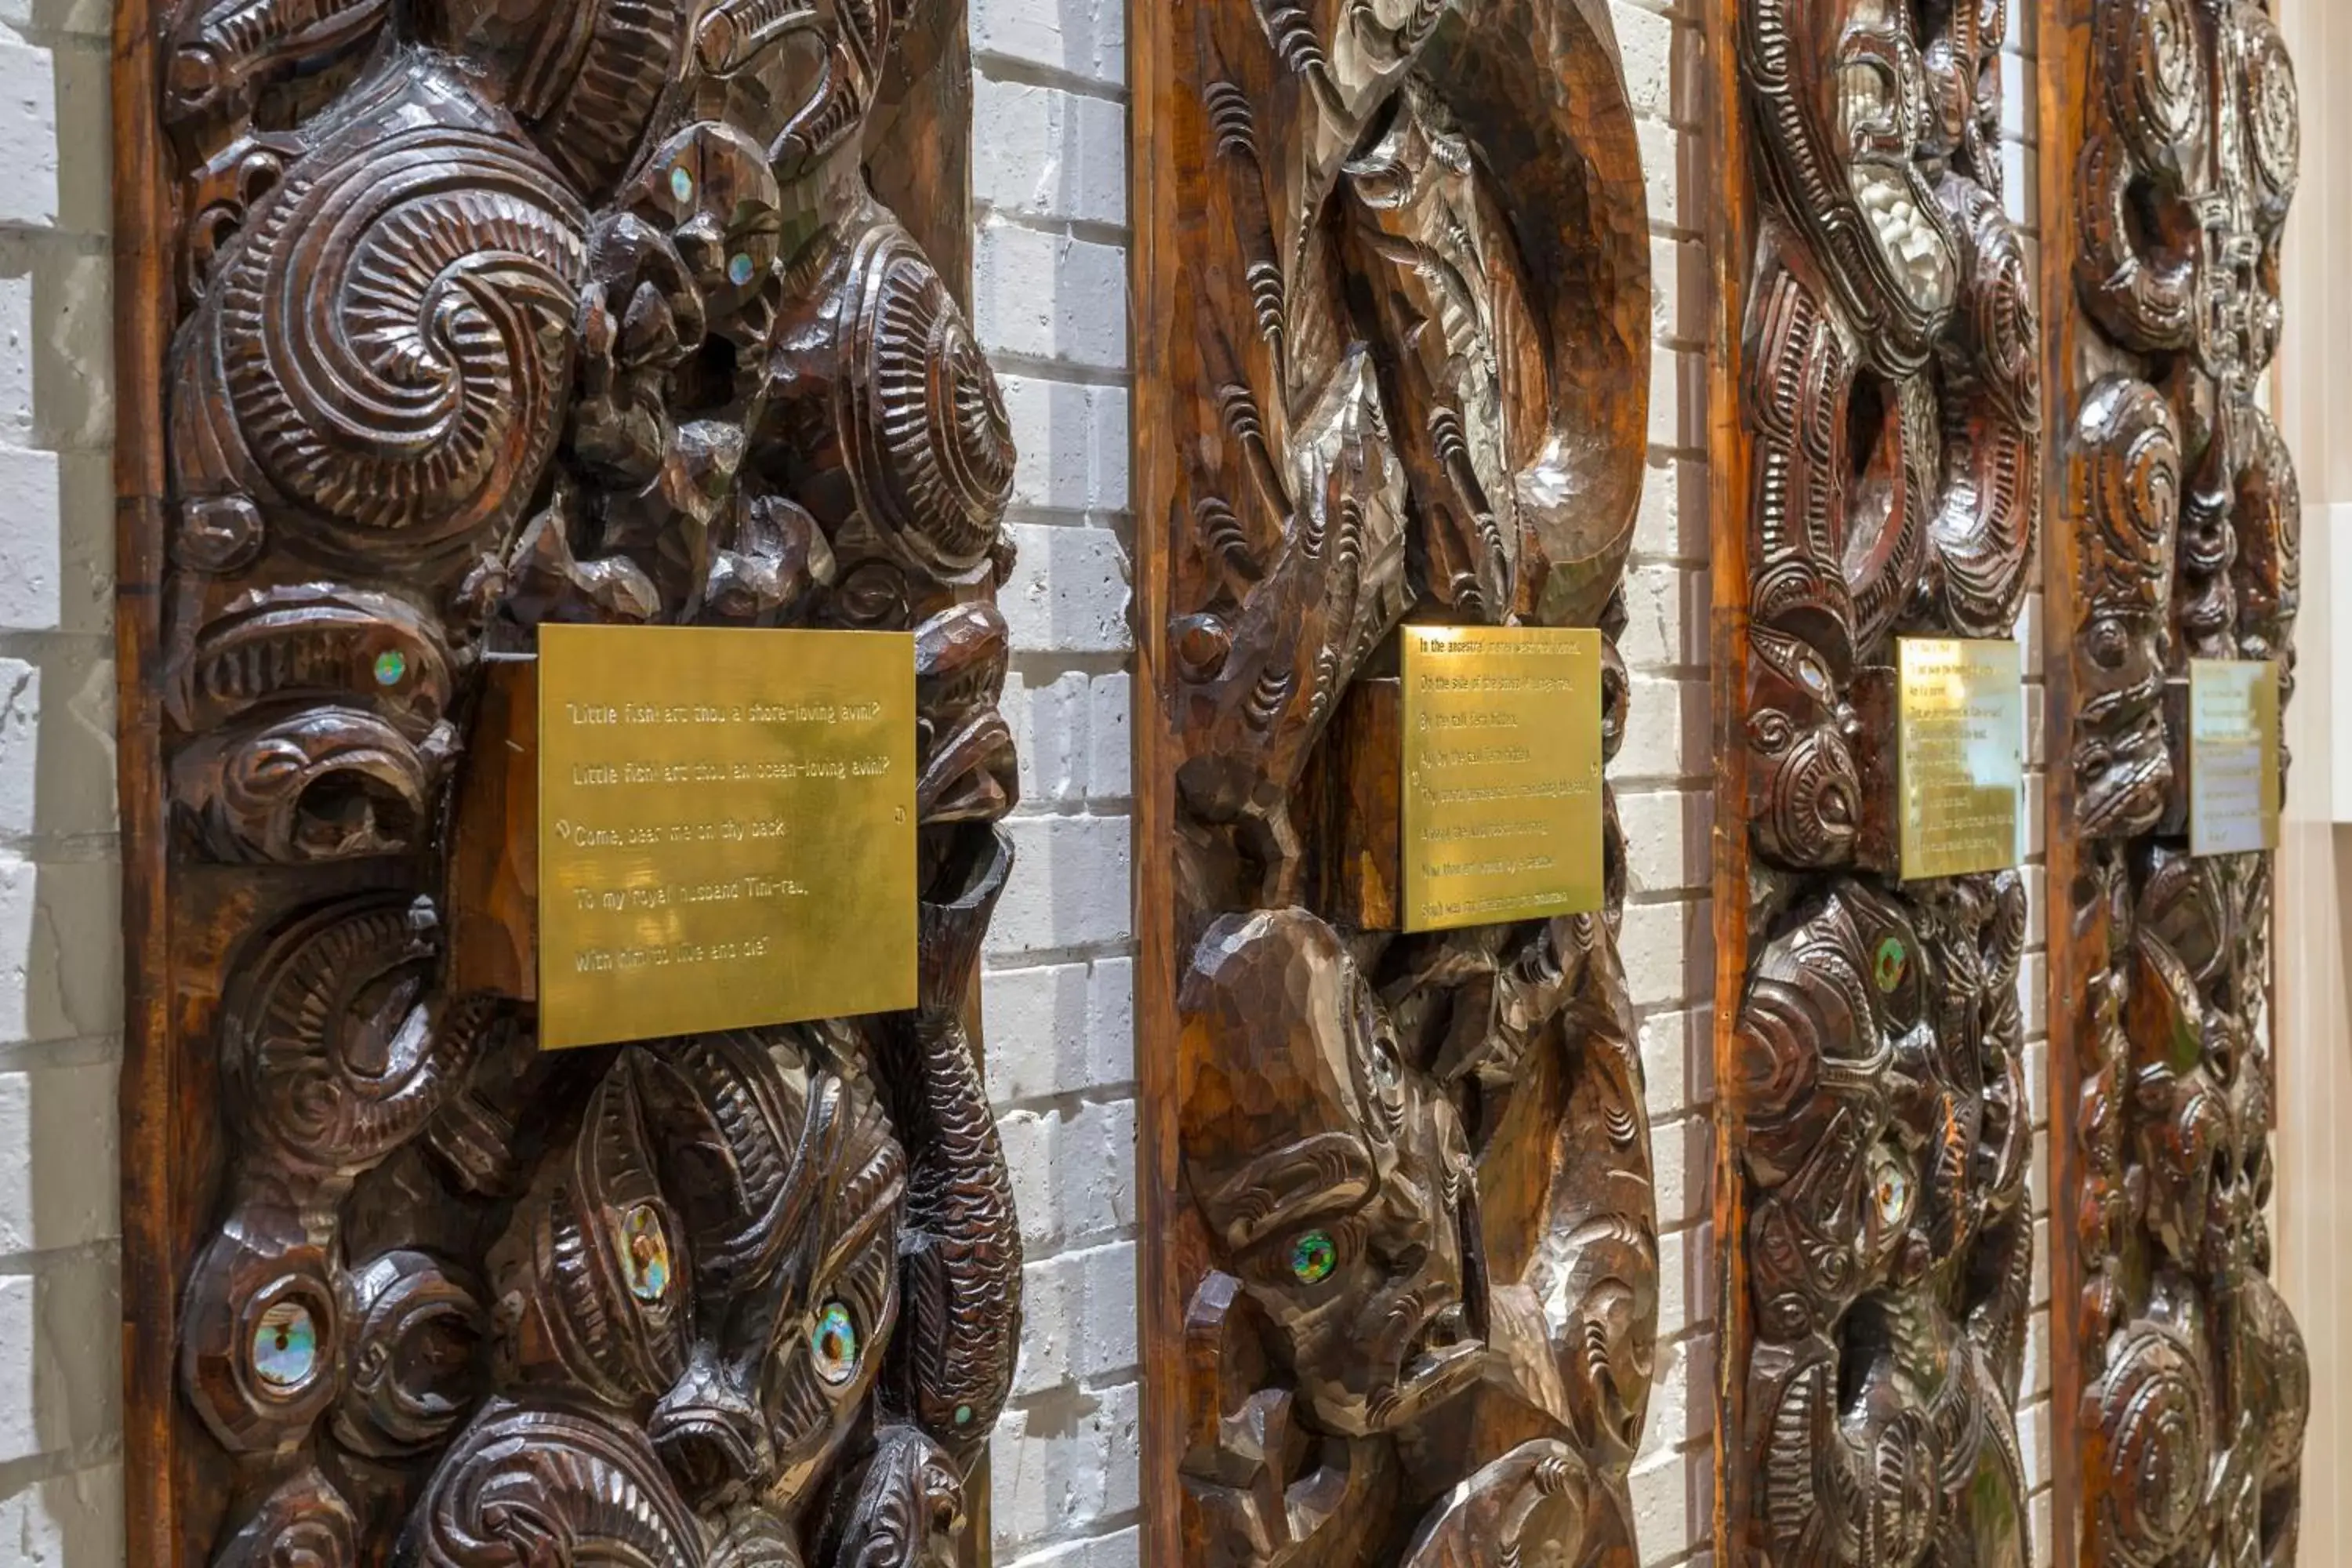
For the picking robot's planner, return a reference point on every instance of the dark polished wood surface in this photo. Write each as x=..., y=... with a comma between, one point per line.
x=1875, y=431
x=2169, y=158
x=1392, y=324
x=438, y=323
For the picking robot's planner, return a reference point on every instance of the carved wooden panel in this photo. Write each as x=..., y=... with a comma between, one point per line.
x=1393, y=330
x=2170, y=157
x=1878, y=415
x=445, y=321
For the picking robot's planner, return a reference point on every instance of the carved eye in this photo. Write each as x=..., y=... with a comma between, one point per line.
x=1892, y=962
x=645, y=1253
x=1892, y=1195
x=2107, y=643
x=286, y=1346
x=1202, y=643
x=873, y=596
x=833, y=1344
x=1313, y=1257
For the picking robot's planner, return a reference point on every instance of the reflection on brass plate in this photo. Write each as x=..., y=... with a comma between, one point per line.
x=1960, y=751
x=2233, y=756
x=1502, y=774
x=726, y=829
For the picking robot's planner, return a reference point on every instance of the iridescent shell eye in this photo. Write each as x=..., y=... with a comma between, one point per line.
x=1894, y=962
x=740, y=271
x=681, y=184
x=833, y=1344
x=1894, y=1196
x=645, y=1253
x=1313, y=1257
x=390, y=666
x=286, y=1346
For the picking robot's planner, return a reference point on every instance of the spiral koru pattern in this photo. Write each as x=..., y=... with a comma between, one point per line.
x=395, y=338
x=931, y=442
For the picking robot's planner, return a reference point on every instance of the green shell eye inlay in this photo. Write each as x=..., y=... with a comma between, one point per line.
x=681, y=184
x=740, y=271
x=834, y=1342
x=645, y=1253
x=390, y=666
x=963, y=1415
x=1892, y=962
x=285, y=1345
x=1313, y=1257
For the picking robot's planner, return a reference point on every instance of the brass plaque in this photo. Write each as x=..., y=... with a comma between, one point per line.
x=1960, y=756
x=726, y=829
x=1502, y=774
x=2233, y=756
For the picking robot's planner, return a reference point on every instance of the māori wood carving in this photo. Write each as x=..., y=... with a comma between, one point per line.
x=1394, y=322
x=492, y=314
x=2171, y=151
x=1875, y=1112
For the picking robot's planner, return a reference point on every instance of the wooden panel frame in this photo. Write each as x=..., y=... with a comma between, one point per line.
x=1748, y=145
x=169, y=1140
x=1729, y=224
x=2076, y=347
x=2062, y=45
x=1168, y=190
x=1154, y=201
x=150, y=1132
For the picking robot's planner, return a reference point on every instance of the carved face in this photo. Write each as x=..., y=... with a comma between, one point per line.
x=1333, y=1175
x=797, y=74
x=1805, y=788
x=1850, y=138
x=1837, y=1079
x=2122, y=768
x=2202, y=1084
x=828, y=1346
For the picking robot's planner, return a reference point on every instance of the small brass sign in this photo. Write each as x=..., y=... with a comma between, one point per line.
x=726, y=829
x=1502, y=774
x=1960, y=755
x=2233, y=756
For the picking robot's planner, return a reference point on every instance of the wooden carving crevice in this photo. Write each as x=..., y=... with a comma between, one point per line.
x=1877, y=433
x=1393, y=325
x=2170, y=157
x=446, y=320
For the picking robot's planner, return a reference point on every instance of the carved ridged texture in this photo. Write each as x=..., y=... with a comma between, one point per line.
x=394, y=336
x=932, y=443
x=532, y=1484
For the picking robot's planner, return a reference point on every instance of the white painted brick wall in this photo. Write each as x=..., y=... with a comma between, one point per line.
x=2022, y=197
x=61, y=948
x=1664, y=785
x=1049, y=189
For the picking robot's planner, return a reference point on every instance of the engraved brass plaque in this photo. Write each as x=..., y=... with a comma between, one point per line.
x=1960, y=755
x=2233, y=756
x=726, y=829
x=1502, y=774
